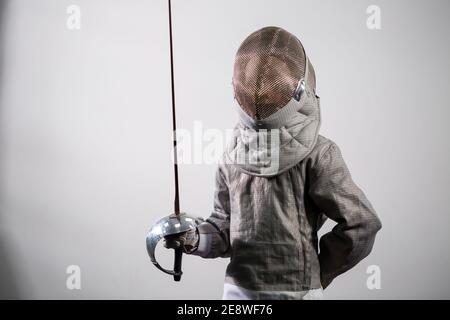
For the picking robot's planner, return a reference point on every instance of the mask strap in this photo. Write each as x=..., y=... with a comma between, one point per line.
x=307, y=70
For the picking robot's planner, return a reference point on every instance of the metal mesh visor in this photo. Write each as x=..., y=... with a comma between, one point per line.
x=268, y=66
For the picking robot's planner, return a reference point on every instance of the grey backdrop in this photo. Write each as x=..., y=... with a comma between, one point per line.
x=85, y=133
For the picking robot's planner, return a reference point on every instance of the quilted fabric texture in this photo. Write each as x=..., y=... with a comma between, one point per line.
x=292, y=132
x=280, y=181
x=268, y=225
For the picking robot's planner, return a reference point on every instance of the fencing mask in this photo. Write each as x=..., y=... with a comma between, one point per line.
x=274, y=87
x=271, y=68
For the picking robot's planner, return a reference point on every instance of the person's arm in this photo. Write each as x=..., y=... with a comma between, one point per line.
x=339, y=198
x=214, y=233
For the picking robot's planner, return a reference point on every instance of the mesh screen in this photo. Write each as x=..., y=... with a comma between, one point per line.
x=268, y=66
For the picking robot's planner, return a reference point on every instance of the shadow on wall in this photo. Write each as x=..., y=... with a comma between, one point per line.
x=8, y=278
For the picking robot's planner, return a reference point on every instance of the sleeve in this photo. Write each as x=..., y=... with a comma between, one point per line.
x=214, y=233
x=339, y=198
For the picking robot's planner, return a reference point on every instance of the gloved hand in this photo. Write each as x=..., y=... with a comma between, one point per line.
x=188, y=241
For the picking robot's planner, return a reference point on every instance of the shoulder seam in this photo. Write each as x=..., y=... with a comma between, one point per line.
x=331, y=145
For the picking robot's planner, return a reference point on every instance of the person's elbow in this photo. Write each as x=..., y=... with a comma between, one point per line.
x=375, y=225
x=371, y=226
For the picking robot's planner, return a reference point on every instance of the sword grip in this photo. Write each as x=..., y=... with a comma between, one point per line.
x=177, y=264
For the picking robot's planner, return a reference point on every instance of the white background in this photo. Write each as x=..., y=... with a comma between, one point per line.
x=85, y=136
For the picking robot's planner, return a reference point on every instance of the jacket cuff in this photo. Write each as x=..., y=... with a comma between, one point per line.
x=210, y=241
x=204, y=245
